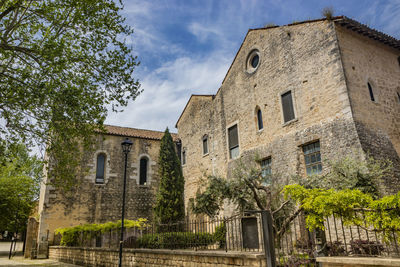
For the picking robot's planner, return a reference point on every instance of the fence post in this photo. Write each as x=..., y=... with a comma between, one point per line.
x=268, y=233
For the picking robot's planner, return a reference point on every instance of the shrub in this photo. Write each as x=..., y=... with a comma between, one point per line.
x=177, y=240
x=366, y=247
x=70, y=235
x=335, y=248
x=220, y=235
x=328, y=12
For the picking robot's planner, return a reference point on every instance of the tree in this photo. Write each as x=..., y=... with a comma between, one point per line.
x=354, y=207
x=62, y=63
x=20, y=176
x=169, y=206
x=349, y=173
x=247, y=189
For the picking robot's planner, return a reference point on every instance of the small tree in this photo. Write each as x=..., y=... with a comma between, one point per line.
x=169, y=206
x=20, y=176
x=248, y=191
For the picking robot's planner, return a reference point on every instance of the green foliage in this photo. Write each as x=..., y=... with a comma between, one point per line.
x=20, y=176
x=169, y=206
x=246, y=189
x=220, y=235
x=175, y=240
x=63, y=62
x=350, y=173
x=354, y=207
x=70, y=236
x=211, y=199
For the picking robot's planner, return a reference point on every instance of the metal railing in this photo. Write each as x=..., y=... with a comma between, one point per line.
x=298, y=246
x=235, y=233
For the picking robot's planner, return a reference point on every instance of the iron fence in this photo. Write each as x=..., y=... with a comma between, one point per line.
x=235, y=233
x=297, y=246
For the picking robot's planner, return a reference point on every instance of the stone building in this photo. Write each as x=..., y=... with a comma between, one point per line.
x=296, y=96
x=98, y=197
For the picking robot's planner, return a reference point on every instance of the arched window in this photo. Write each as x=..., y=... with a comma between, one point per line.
x=143, y=171
x=371, y=92
x=259, y=119
x=100, y=167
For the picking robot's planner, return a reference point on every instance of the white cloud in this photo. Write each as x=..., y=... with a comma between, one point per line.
x=203, y=33
x=168, y=88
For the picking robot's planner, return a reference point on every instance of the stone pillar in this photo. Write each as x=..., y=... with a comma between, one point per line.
x=31, y=234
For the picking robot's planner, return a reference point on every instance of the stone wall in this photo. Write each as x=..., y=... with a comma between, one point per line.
x=357, y=262
x=302, y=58
x=147, y=257
x=100, y=203
x=378, y=122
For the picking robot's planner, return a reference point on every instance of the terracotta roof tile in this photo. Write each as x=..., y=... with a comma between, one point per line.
x=139, y=133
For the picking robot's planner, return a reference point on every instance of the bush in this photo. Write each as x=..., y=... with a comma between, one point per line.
x=220, y=235
x=177, y=240
x=366, y=247
x=70, y=236
x=335, y=248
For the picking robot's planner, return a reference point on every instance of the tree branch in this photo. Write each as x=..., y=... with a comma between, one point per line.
x=8, y=10
x=286, y=223
x=280, y=207
x=255, y=195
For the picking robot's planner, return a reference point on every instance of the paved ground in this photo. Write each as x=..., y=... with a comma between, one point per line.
x=20, y=261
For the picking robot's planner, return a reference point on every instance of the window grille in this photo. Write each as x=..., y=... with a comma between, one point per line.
x=266, y=171
x=312, y=157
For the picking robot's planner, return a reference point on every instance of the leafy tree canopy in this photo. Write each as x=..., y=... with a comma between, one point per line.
x=352, y=205
x=349, y=184
x=169, y=206
x=20, y=176
x=349, y=173
x=62, y=63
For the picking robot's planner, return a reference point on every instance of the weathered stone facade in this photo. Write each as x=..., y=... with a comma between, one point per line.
x=326, y=68
x=102, y=202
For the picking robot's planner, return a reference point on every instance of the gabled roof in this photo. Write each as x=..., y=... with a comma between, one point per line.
x=342, y=21
x=187, y=104
x=368, y=32
x=138, y=133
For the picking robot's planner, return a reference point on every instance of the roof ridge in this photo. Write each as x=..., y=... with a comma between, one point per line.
x=140, y=129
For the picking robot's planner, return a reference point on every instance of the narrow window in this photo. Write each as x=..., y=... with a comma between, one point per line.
x=312, y=157
x=143, y=171
x=287, y=106
x=371, y=93
x=398, y=96
x=259, y=119
x=205, y=144
x=183, y=156
x=233, y=141
x=101, y=158
x=266, y=171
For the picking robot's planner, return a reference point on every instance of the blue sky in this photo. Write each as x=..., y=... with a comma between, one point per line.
x=186, y=46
